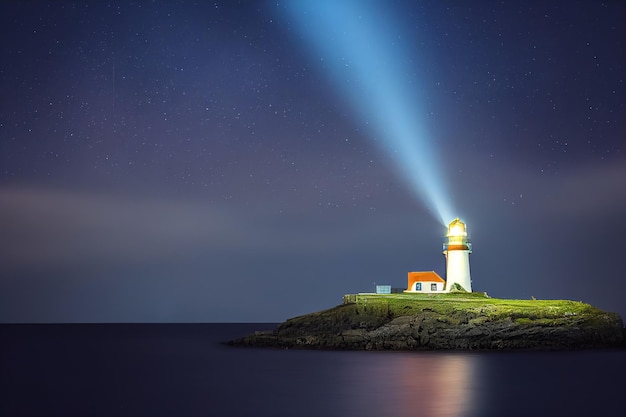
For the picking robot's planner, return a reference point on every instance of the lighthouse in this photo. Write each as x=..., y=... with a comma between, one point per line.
x=456, y=248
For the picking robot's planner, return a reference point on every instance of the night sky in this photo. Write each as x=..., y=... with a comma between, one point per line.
x=201, y=162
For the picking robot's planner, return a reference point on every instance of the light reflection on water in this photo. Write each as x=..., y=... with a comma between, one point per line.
x=425, y=384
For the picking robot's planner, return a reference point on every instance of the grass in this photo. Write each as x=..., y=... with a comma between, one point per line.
x=474, y=305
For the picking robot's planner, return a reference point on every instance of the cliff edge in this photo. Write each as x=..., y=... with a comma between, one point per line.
x=455, y=321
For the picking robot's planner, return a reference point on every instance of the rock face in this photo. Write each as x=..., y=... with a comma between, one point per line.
x=459, y=322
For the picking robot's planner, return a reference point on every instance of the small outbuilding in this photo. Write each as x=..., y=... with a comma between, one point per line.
x=383, y=289
x=425, y=282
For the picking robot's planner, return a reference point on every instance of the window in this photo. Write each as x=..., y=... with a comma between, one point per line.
x=433, y=287
x=418, y=286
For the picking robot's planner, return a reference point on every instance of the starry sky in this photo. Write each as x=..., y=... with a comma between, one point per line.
x=180, y=161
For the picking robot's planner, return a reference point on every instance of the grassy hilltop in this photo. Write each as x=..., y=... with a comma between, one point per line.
x=446, y=321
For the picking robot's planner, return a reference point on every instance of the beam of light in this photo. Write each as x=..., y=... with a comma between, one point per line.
x=367, y=61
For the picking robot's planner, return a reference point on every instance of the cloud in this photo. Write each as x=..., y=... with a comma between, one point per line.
x=41, y=227
x=590, y=190
x=46, y=227
x=585, y=190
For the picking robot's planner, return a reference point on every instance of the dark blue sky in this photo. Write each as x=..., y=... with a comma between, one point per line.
x=193, y=161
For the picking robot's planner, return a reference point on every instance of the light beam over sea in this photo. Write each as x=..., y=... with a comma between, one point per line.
x=365, y=56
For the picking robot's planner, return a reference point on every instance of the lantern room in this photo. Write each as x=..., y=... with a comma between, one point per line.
x=456, y=238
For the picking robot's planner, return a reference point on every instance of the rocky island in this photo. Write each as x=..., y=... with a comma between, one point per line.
x=451, y=321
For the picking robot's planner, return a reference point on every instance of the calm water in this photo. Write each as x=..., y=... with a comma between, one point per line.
x=181, y=370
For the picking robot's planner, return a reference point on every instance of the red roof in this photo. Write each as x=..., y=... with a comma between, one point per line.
x=423, y=276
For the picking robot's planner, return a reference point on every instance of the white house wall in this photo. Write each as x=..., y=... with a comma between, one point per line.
x=426, y=287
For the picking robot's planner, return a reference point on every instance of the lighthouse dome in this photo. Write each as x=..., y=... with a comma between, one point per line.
x=457, y=228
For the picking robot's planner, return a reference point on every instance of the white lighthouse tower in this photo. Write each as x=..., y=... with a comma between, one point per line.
x=456, y=249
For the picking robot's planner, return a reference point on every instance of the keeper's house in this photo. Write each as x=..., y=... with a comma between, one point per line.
x=425, y=281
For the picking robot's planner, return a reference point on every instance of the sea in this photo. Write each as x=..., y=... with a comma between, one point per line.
x=184, y=370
